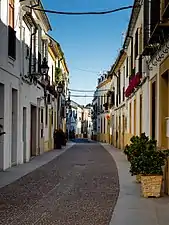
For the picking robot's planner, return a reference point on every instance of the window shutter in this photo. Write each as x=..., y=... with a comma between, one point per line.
x=140, y=40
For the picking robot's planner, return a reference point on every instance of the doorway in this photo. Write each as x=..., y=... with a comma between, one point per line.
x=123, y=131
x=24, y=134
x=119, y=132
x=1, y=123
x=135, y=117
x=14, y=127
x=38, y=130
x=33, y=131
x=50, y=128
x=153, y=110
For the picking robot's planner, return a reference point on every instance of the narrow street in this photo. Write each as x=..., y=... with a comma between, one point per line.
x=80, y=187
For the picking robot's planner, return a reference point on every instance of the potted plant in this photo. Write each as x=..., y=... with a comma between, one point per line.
x=132, y=151
x=63, y=137
x=149, y=164
x=57, y=139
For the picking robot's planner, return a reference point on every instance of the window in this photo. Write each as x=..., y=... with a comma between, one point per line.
x=46, y=115
x=140, y=40
x=127, y=68
x=140, y=64
x=124, y=70
x=39, y=62
x=52, y=74
x=131, y=60
x=11, y=14
x=154, y=13
x=34, y=51
x=113, y=98
x=119, y=86
x=136, y=44
x=11, y=31
x=41, y=118
x=44, y=49
x=101, y=125
x=140, y=114
x=41, y=115
x=104, y=126
x=135, y=117
x=130, y=117
x=11, y=43
x=52, y=117
x=39, y=47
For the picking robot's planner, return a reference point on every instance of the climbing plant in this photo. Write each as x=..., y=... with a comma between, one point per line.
x=58, y=75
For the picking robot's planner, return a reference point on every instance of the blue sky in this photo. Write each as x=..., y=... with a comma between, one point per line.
x=89, y=42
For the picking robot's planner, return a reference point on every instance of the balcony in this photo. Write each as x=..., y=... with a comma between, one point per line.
x=149, y=50
x=165, y=13
x=133, y=84
x=160, y=33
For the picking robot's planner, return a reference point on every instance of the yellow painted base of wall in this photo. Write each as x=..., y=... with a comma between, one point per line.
x=48, y=145
x=127, y=137
x=105, y=138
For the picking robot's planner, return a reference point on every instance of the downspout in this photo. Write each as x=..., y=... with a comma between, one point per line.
x=30, y=57
x=19, y=126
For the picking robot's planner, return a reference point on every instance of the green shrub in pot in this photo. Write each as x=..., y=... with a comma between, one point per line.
x=136, y=146
x=149, y=162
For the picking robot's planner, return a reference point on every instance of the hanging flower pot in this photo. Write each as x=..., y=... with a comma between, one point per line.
x=108, y=117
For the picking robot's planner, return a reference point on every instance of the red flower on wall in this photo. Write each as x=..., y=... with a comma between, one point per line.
x=134, y=82
x=107, y=117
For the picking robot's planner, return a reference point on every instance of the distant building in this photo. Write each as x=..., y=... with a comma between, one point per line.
x=79, y=121
x=74, y=118
x=87, y=125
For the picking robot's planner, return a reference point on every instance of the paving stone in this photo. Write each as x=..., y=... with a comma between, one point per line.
x=80, y=187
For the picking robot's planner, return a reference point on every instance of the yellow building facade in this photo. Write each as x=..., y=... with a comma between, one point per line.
x=103, y=122
x=58, y=72
x=145, y=74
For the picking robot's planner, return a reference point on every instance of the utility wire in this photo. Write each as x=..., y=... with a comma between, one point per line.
x=83, y=13
x=74, y=90
x=89, y=96
x=89, y=71
x=82, y=96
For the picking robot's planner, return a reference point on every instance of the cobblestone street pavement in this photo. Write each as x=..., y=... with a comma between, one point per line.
x=80, y=187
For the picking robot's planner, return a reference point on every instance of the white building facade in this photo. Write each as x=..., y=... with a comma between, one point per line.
x=23, y=110
x=74, y=118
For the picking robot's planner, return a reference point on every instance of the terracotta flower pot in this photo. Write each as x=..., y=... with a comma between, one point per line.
x=151, y=186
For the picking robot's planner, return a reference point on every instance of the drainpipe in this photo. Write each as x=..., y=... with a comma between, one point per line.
x=30, y=57
x=19, y=156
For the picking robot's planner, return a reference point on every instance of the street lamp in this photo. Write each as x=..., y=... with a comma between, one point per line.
x=68, y=102
x=60, y=88
x=44, y=68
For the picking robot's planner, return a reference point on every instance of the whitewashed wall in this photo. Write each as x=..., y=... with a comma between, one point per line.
x=10, y=71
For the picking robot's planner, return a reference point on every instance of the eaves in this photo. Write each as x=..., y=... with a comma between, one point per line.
x=133, y=19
